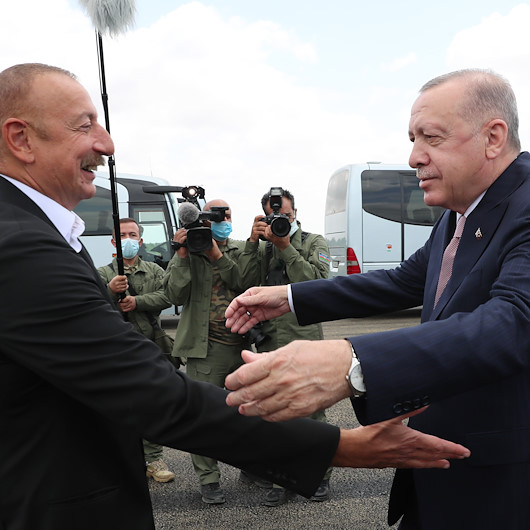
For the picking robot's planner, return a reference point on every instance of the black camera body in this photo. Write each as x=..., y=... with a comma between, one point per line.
x=256, y=336
x=279, y=222
x=199, y=236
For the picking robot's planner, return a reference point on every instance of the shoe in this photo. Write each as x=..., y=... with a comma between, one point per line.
x=322, y=492
x=249, y=478
x=159, y=471
x=212, y=493
x=275, y=497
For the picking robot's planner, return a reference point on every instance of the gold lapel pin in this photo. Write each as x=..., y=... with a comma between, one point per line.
x=478, y=234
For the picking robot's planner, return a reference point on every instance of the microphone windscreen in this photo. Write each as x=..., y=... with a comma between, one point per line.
x=187, y=213
x=110, y=17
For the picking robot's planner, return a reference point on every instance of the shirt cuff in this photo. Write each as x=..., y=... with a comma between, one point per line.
x=290, y=299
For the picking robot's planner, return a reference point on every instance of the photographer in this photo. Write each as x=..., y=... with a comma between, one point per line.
x=284, y=255
x=204, y=282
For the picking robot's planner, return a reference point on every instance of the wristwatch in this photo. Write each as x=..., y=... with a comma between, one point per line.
x=176, y=245
x=355, y=375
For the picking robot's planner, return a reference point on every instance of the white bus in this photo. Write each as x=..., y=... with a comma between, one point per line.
x=375, y=217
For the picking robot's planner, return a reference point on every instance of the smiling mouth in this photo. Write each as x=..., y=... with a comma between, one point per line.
x=92, y=164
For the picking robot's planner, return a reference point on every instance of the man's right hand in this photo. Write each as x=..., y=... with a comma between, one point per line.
x=393, y=444
x=258, y=228
x=118, y=284
x=257, y=304
x=181, y=235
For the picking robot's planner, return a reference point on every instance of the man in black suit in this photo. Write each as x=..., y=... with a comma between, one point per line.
x=73, y=372
x=470, y=356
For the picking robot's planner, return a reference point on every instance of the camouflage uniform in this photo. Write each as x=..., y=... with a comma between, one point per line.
x=205, y=289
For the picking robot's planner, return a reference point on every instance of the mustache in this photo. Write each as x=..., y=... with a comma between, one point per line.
x=423, y=173
x=92, y=162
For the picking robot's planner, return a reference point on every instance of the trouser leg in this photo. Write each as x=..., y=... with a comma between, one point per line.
x=152, y=451
x=220, y=361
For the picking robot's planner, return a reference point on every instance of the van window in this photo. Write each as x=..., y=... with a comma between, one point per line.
x=96, y=213
x=152, y=218
x=337, y=192
x=395, y=195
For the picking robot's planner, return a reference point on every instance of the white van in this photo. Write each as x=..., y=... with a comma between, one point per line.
x=375, y=217
x=151, y=201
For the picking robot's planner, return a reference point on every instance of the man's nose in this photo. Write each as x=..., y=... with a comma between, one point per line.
x=103, y=143
x=418, y=156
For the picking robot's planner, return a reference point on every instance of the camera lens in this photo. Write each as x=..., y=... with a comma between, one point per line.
x=199, y=239
x=280, y=225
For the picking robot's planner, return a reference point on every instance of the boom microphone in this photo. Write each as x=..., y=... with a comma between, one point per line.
x=110, y=17
x=188, y=213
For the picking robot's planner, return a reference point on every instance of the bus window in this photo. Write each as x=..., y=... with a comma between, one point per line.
x=395, y=195
x=337, y=193
x=381, y=193
x=415, y=211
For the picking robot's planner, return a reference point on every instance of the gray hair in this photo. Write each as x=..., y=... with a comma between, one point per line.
x=488, y=96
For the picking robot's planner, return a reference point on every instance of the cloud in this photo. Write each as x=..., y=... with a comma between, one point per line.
x=201, y=98
x=195, y=99
x=400, y=63
x=500, y=43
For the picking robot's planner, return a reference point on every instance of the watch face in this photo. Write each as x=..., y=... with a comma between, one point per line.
x=355, y=379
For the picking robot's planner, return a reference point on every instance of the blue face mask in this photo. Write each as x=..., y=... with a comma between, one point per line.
x=129, y=248
x=221, y=231
x=294, y=228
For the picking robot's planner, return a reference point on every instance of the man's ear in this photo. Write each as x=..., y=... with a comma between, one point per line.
x=15, y=136
x=496, y=138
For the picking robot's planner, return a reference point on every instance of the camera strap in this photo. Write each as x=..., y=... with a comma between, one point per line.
x=278, y=275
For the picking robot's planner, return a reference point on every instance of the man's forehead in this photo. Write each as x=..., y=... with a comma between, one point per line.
x=216, y=204
x=130, y=226
x=64, y=90
x=433, y=110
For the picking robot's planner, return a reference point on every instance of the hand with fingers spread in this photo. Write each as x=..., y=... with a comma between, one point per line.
x=392, y=444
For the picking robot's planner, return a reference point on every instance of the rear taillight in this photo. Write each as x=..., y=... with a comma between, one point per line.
x=352, y=264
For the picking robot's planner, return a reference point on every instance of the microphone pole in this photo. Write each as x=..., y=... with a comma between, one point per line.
x=112, y=174
x=113, y=18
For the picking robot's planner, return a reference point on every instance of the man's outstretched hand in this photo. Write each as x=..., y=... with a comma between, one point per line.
x=392, y=444
x=257, y=304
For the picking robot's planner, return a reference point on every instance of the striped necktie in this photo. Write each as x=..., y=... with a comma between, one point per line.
x=448, y=259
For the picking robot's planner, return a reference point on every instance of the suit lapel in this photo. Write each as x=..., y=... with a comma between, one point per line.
x=13, y=195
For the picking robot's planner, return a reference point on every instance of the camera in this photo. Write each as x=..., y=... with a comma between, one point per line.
x=279, y=222
x=199, y=237
x=255, y=335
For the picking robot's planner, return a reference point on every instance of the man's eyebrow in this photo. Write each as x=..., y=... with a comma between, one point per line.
x=92, y=116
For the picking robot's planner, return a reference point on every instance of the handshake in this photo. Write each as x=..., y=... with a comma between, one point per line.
x=305, y=376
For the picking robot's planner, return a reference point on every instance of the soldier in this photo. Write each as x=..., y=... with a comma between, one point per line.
x=204, y=284
x=296, y=256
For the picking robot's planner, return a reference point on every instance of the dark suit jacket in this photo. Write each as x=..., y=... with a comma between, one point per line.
x=72, y=373
x=470, y=358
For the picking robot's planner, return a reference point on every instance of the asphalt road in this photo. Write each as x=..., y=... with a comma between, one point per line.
x=359, y=497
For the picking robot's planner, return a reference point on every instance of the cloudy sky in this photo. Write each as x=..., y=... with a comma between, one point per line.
x=241, y=95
